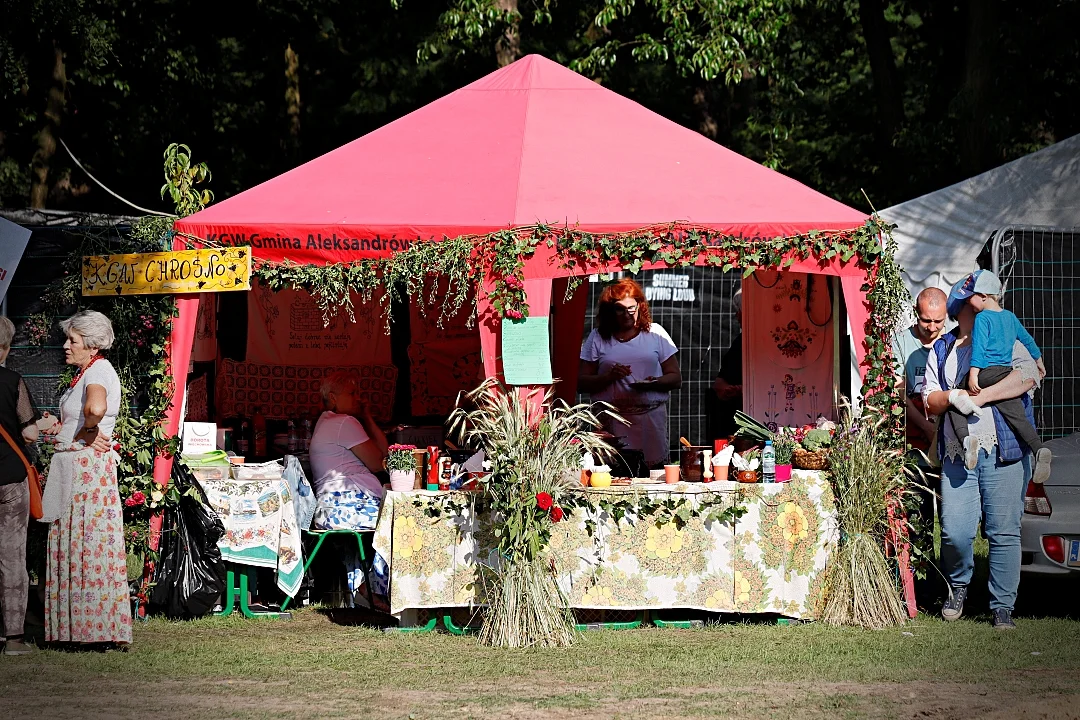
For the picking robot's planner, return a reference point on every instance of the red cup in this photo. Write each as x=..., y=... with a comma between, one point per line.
x=719, y=445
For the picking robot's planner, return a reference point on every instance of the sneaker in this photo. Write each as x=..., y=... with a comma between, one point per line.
x=1003, y=619
x=971, y=452
x=1042, y=465
x=17, y=647
x=954, y=606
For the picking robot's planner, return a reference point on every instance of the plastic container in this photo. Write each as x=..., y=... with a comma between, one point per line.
x=768, y=462
x=258, y=471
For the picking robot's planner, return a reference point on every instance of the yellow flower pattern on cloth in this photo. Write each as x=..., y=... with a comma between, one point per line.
x=664, y=541
x=408, y=538
x=718, y=600
x=742, y=589
x=597, y=595
x=792, y=521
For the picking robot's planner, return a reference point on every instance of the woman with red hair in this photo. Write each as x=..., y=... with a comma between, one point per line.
x=630, y=362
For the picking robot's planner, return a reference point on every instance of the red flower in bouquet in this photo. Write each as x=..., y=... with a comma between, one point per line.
x=137, y=498
x=544, y=501
x=556, y=514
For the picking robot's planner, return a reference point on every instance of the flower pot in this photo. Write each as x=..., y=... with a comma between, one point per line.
x=783, y=473
x=402, y=480
x=746, y=476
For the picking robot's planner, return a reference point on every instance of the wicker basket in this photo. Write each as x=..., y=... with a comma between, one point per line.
x=806, y=460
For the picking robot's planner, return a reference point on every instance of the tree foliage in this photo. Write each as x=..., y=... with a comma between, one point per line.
x=897, y=97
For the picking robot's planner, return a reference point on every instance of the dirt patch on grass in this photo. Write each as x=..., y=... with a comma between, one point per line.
x=107, y=697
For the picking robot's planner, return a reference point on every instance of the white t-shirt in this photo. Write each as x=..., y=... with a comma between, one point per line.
x=73, y=401
x=646, y=411
x=643, y=354
x=332, y=461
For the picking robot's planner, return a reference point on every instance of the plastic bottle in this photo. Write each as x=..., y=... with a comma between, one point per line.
x=433, y=468
x=258, y=423
x=293, y=439
x=305, y=435
x=768, y=462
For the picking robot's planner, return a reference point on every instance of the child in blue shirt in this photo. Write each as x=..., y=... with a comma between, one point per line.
x=992, y=338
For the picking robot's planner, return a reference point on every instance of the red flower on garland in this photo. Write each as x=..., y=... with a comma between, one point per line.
x=544, y=501
x=137, y=498
x=556, y=514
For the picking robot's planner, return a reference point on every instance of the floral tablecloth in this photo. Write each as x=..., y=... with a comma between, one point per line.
x=260, y=527
x=770, y=560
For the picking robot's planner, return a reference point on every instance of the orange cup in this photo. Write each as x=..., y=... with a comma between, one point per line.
x=720, y=472
x=671, y=474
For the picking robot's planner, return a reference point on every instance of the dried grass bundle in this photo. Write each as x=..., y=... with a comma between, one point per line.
x=866, y=474
x=535, y=450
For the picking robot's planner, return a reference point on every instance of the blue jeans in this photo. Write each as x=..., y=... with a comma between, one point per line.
x=994, y=493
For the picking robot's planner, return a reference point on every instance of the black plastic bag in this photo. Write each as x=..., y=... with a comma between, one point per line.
x=190, y=575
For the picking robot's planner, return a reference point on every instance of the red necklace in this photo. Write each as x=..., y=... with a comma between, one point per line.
x=78, y=375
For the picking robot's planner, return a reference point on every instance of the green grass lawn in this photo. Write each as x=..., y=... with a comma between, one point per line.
x=310, y=667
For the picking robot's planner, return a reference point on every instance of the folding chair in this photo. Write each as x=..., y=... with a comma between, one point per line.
x=365, y=562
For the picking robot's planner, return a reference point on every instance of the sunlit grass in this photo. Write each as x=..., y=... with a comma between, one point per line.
x=310, y=667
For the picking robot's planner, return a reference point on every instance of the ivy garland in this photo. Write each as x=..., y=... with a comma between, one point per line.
x=141, y=324
x=618, y=506
x=499, y=258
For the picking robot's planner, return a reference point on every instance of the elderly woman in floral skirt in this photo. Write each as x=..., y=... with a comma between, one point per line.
x=86, y=598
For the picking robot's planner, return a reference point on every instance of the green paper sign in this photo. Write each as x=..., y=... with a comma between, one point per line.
x=525, y=354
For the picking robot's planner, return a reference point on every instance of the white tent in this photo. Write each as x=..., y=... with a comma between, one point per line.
x=942, y=233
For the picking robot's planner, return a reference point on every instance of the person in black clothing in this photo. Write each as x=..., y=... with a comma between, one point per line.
x=727, y=388
x=17, y=413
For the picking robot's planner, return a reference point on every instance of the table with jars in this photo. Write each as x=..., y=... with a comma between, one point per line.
x=675, y=546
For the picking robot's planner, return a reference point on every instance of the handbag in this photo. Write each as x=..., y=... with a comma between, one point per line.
x=32, y=478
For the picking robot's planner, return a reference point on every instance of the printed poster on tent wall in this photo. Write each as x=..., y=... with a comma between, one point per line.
x=787, y=348
x=285, y=327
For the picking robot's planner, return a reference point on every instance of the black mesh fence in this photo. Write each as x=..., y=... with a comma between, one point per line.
x=694, y=305
x=1040, y=269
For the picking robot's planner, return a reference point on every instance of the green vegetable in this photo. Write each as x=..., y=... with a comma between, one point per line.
x=816, y=439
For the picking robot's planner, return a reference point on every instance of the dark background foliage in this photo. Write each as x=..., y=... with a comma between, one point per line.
x=897, y=97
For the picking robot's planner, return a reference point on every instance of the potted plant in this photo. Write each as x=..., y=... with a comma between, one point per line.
x=401, y=462
x=783, y=446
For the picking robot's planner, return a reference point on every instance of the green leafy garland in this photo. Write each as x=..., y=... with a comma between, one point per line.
x=142, y=324
x=499, y=258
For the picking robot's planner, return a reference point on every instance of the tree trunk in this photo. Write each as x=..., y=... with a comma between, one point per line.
x=706, y=122
x=292, y=102
x=508, y=46
x=976, y=95
x=46, y=137
x=890, y=104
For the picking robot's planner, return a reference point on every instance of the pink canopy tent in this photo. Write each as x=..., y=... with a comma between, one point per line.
x=531, y=142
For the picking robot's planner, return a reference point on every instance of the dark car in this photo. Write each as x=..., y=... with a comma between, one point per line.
x=1050, y=530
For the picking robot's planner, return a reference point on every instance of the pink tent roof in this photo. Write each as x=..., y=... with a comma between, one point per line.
x=530, y=142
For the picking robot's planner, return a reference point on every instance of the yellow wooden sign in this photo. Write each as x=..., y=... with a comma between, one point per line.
x=181, y=271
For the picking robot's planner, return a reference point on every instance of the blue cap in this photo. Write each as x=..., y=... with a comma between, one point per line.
x=979, y=282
